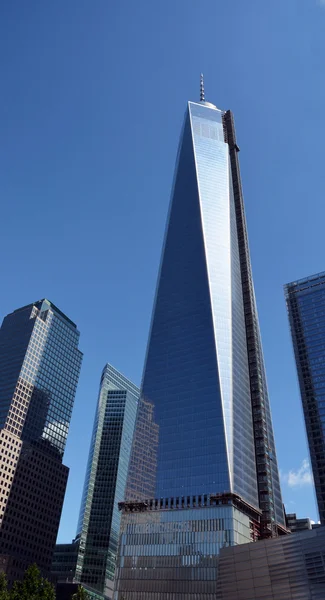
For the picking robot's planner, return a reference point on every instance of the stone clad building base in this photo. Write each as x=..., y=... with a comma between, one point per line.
x=30, y=521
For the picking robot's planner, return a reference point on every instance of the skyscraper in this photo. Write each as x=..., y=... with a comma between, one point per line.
x=213, y=478
x=106, y=475
x=39, y=371
x=306, y=307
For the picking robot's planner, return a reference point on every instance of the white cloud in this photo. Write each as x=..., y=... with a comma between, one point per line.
x=321, y=3
x=301, y=477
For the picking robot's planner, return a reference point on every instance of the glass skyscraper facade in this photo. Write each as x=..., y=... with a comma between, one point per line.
x=203, y=448
x=39, y=371
x=306, y=307
x=106, y=475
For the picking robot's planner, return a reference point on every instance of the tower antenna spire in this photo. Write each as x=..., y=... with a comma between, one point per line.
x=202, y=97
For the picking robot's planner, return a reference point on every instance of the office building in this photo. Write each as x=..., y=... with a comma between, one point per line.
x=306, y=307
x=64, y=562
x=39, y=371
x=294, y=524
x=203, y=469
x=287, y=568
x=95, y=547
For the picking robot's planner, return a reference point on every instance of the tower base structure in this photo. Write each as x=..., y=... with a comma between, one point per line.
x=169, y=547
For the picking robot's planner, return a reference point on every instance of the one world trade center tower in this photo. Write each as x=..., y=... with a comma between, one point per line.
x=203, y=471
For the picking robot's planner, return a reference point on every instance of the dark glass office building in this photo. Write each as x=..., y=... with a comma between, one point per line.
x=39, y=371
x=204, y=423
x=306, y=307
x=106, y=475
x=65, y=562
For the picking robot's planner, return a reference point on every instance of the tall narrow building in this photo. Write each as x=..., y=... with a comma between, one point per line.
x=306, y=307
x=106, y=475
x=203, y=470
x=39, y=371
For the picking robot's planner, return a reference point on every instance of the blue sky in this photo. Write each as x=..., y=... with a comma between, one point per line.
x=92, y=101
